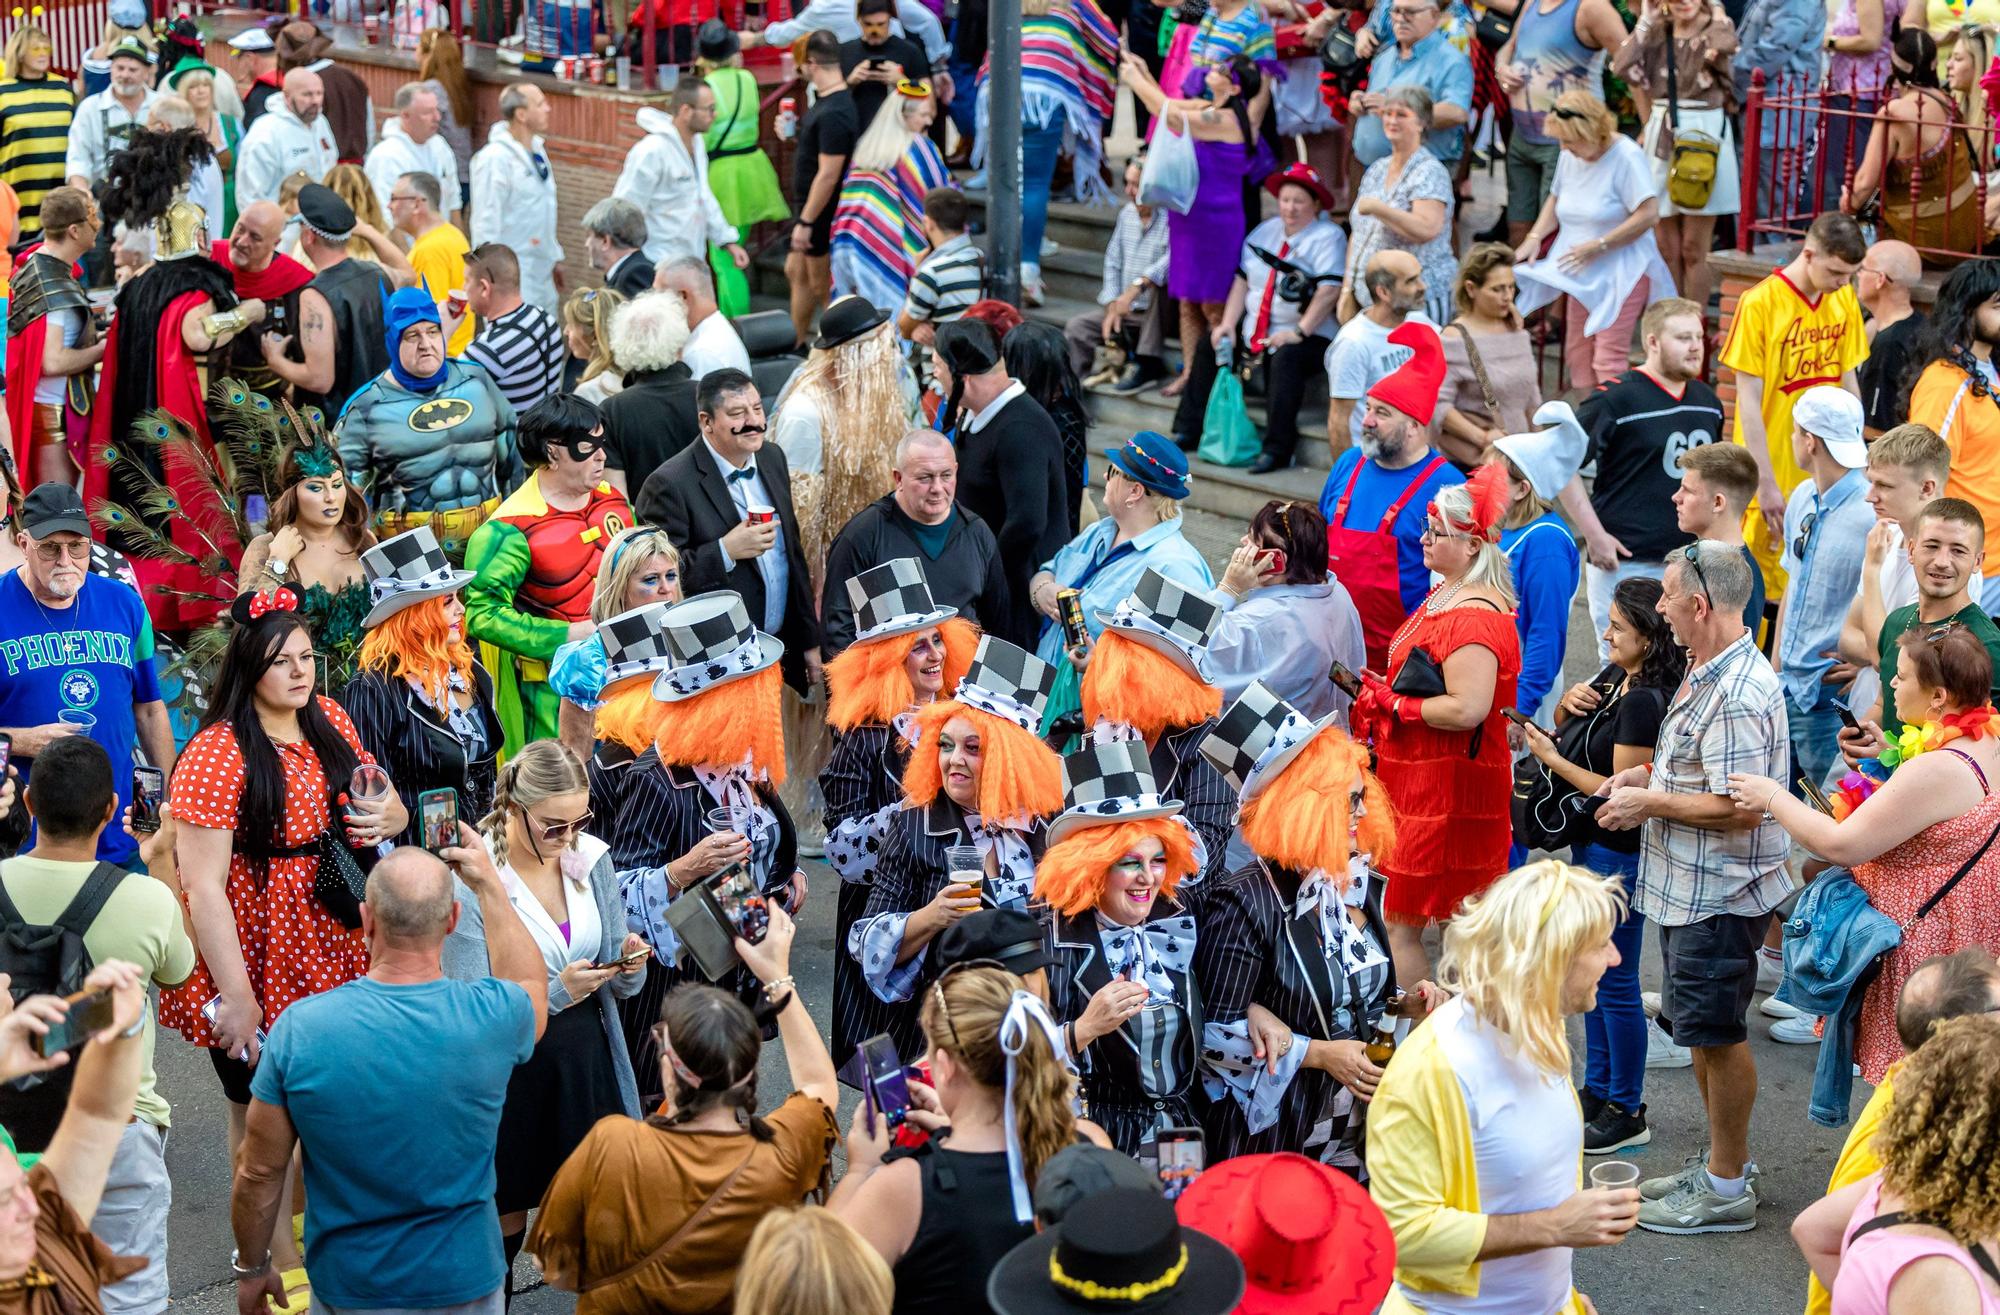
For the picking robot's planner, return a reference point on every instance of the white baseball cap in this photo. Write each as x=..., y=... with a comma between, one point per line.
x=1833, y=416
x=252, y=39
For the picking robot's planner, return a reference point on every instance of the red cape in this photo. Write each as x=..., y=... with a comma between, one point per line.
x=24, y=375
x=281, y=278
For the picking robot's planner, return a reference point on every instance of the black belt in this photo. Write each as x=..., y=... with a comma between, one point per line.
x=725, y=152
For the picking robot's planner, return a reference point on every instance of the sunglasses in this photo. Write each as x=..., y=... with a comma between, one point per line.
x=551, y=832
x=1804, y=535
x=1693, y=560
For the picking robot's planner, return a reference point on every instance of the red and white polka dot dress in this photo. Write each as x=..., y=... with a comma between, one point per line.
x=292, y=947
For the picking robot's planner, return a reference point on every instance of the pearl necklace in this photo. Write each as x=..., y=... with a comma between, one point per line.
x=1439, y=599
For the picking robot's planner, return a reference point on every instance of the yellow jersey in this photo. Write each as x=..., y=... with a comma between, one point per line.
x=1857, y=1160
x=439, y=259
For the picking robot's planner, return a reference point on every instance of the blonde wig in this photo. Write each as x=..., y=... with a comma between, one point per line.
x=807, y=1260
x=869, y=682
x=1139, y=686
x=1074, y=871
x=590, y=310
x=718, y=726
x=1510, y=947
x=352, y=186
x=1019, y=776
x=1300, y=819
x=888, y=136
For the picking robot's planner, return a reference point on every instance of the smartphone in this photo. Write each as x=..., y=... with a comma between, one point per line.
x=878, y=63
x=1514, y=715
x=1348, y=683
x=1069, y=610
x=743, y=905
x=437, y=819
x=1847, y=718
x=627, y=961
x=6, y=751
x=89, y=1013
x=888, y=1091
x=1181, y=1157
x=149, y=789
x=208, y=1016
x=1271, y=561
x=1813, y=796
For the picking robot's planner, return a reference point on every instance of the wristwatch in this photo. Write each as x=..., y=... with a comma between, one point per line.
x=236, y=1266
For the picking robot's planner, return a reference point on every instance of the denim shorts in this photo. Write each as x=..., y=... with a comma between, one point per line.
x=1710, y=977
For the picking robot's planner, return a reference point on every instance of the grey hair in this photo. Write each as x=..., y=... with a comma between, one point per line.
x=406, y=95
x=617, y=221
x=692, y=271
x=1724, y=572
x=918, y=436
x=410, y=895
x=513, y=99
x=648, y=332
x=1414, y=99
x=174, y=111
x=427, y=186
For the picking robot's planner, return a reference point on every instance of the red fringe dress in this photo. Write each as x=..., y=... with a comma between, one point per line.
x=1449, y=789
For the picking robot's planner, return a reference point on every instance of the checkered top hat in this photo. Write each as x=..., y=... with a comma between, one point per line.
x=893, y=599
x=1256, y=736
x=1008, y=682
x=635, y=643
x=1169, y=619
x=405, y=570
x=1108, y=783
x=711, y=642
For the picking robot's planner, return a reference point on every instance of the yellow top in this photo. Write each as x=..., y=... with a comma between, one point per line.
x=1857, y=1160
x=439, y=259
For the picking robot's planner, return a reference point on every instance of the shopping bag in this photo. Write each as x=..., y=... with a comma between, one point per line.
x=1171, y=175
x=1228, y=438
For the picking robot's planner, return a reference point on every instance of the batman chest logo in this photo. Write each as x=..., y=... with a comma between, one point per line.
x=440, y=413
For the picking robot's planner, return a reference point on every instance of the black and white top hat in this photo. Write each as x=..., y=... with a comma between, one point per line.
x=1169, y=619
x=405, y=570
x=1107, y=783
x=1255, y=737
x=1008, y=681
x=711, y=642
x=635, y=643
x=893, y=599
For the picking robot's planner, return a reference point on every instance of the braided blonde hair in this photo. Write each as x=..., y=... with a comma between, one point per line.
x=541, y=770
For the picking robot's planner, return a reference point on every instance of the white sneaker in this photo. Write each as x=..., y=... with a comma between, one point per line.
x=1796, y=1031
x=1663, y=1052
x=1650, y=1001
x=1772, y=1007
x=1770, y=973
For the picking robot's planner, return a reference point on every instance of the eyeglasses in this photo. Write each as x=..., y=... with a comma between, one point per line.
x=1693, y=559
x=555, y=831
x=393, y=198
x=55, y=552
x=1805, y=534
x=1432, y=532
x=1410, y=12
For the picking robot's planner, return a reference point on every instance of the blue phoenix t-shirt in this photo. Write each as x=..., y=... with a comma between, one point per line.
x=396, y=1093
x=95, y=656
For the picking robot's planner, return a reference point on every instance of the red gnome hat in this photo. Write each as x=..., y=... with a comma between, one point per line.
x=1414, y=386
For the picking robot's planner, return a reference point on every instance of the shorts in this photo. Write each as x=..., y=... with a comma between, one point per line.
x=235, y=1074
x=1709, y=978
x=131, y=1218
x=821, y=242
x=1531, y=171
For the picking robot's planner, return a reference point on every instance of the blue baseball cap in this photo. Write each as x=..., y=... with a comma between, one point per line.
x=1154, y=462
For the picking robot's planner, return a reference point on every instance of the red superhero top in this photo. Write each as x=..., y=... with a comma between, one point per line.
x=564, y=547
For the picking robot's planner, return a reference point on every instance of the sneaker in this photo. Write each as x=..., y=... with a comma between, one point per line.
x=1770, y=973
x=1698, y=1208
x=1663, y=1052
x=1137, y=378
x=1795, y=1031
x=1650, y=1001
x=1616, y=1128
x=1693, y=1170
x=1772, y=1007
x=1593, y=1104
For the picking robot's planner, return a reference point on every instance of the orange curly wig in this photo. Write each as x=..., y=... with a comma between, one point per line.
x=1142, y=687
x=629, y=713
x=1072, y=874
x=1019, y=775
x=716, y=726
x=417, y=642
x=868, y=683
x=1300, y=818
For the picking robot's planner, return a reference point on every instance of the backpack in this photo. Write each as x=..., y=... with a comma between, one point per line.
x=47, y=960
x=1548, y=812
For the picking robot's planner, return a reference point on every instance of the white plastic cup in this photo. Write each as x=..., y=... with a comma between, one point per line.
x=1614, y=1175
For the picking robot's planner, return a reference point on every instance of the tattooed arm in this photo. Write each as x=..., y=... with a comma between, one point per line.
x=315, y=373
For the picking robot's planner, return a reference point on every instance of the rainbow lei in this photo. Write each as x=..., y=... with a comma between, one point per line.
x=1869, y=776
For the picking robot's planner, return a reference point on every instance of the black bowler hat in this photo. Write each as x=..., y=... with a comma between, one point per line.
x=715, y=42
x=846, y=320
x=1118, y=1250
x=1008, y=937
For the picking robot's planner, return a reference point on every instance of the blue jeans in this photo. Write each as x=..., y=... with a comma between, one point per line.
x=964, y=105
x=1040, y=149
x=1815, y=739
x=1614, y=1065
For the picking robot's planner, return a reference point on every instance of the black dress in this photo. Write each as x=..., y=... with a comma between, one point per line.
x=1256, y=948
x=862, y=782
x=421, y=750
x=1144, y=1076
x=661, y=815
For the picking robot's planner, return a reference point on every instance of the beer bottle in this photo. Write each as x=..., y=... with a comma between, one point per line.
x=1384, y=1045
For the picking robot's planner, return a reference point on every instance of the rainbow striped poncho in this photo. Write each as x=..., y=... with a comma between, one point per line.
x=878, y=233
x=1069, y=67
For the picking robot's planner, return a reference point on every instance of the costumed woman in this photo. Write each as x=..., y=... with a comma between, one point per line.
x=739, y=173
x=535, y=560
x=878, y=223
x=640, y=565
x=1148, y=678
x=1435, y=720
x=907, y=651
x=316, y=534
x=421, y=703
x=1123, y=945
x=978, y=777
x=37, y=107
x=431, y=442
x=634, y=650
x=1294, y=963
x=705, y=794
x=167, y=320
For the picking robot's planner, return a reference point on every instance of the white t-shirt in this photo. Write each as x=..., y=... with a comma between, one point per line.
x=714, y=345
x=1527, y=1141
x=1592, y=198
x=1361, y=357
x=1318, y=248
x=49, y=388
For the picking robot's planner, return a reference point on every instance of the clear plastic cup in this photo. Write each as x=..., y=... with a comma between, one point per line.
x=85, y=722
x=966, y=865
x=368, y=782
x=1614, y=1175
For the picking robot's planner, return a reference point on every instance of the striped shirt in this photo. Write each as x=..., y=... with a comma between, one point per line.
x=950, y=279
x=523, y=351
x=35, y=119
x=1728, y=716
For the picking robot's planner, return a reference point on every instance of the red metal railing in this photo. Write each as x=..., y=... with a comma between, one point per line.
x=74, y=27
x=1818, y=139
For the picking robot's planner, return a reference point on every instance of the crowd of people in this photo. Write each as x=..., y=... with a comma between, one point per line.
x=438, y=692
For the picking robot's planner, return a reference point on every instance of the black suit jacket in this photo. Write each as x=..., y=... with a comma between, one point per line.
x=632, y=276
x=687, y=498
x=648, y=421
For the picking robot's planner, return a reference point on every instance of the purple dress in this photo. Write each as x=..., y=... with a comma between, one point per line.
x=1204, y=244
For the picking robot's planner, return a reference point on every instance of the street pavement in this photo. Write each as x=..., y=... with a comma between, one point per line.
x=1649, y=1274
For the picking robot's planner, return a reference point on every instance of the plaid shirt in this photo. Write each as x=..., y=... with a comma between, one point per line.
x=1729, y=716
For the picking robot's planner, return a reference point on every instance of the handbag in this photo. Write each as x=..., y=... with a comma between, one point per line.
x=1228, y=437
x=1421, y=676
x=1342, y=60
x=338, y=881
x=1691, y=160
x=1548, y=812
x=1494, y=29
x=1479, y=372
